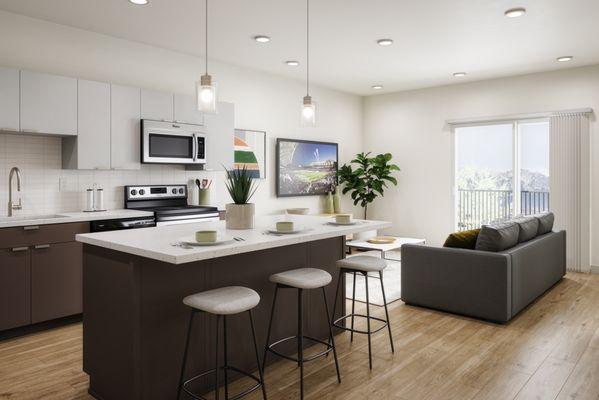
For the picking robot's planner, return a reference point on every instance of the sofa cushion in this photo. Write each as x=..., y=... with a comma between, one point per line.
x=545, y=222
x=462, y=240
x=529, y=226
x=498, y=237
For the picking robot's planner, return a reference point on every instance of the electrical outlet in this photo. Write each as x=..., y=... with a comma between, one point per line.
x=62, y=184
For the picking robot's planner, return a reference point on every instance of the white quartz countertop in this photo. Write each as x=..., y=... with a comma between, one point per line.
x=158, y=242
x=63, y=218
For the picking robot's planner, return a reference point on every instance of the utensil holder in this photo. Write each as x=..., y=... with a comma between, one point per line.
x=203, y=197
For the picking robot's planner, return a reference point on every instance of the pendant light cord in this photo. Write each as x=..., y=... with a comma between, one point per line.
x=206, y=37
x=307, y=47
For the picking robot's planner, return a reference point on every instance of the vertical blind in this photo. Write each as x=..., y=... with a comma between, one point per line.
x=569, y=182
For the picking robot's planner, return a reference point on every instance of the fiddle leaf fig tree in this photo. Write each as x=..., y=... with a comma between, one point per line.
x=367, y=177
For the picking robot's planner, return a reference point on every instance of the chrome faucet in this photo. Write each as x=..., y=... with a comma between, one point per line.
x=12, y=206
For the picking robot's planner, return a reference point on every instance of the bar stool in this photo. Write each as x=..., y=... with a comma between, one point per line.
x=301, y=279
x=363, y=265
x=222, y=302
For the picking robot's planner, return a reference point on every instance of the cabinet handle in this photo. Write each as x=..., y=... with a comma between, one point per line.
x=31, y=228
x=15, y=249
x=41, y=246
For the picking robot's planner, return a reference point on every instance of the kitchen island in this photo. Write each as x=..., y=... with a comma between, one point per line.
x=133, y=282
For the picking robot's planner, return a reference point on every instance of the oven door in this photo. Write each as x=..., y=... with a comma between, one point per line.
x=168, y=143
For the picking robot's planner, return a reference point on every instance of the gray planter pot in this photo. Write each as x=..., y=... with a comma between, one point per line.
x=240, y=216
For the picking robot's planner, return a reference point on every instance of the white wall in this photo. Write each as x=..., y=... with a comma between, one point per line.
x=263, y=102
x=411, y=125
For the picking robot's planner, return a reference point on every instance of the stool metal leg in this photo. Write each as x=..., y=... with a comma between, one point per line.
x=386, y=312
x=326, y=307
x=185, y=354
x=353, y=308
x=260, y=370
x=217, y=366
x=226, y=357
x=368, y=321
x=300, y=339
x=272, y=314
x=341, y=275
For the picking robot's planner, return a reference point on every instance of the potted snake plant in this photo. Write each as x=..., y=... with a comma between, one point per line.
x=241, y=187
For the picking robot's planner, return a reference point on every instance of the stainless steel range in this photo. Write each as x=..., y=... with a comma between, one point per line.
x=169, y=204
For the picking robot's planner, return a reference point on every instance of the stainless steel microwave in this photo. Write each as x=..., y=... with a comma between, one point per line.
x=172, y=143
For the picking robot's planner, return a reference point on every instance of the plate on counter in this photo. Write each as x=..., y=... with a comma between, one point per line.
x=194, y=243
x=335, y=223
x=276, y=232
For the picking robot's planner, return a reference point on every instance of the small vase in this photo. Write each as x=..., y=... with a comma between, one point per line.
x=328, y=204
x=240, y=216
x=336, y=202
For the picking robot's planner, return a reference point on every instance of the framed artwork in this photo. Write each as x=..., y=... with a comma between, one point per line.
x=250, y=151
x=305, y=168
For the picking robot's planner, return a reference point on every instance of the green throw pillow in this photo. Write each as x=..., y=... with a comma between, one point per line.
x=462, y=240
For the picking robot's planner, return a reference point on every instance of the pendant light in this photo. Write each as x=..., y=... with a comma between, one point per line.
x=205, y=89
x=308, y=114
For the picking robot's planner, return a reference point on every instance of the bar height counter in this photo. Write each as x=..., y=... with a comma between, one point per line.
x=134, y=323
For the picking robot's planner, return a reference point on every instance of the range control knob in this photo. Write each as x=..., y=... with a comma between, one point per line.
x=174, y=191
x=133, y=192
x=181, y=191
x=142, y=192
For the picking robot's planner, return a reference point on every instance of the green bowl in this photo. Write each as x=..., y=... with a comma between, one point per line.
x=285, y=226
x=206, y=236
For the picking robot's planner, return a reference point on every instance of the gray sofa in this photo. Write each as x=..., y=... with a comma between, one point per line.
x=494, y=286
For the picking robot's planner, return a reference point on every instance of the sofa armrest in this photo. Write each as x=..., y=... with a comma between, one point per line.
x=469, y=282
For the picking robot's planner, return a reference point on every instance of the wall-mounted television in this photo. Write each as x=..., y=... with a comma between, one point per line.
x=305, y=168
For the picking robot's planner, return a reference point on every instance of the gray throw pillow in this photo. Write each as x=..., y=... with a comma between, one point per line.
x=529, y=226
x=498, y=237
x=545, y=222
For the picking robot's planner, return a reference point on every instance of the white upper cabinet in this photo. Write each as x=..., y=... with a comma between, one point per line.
x=186, y=110
x=93, y=104
x=156, y=105
x=125, y=127
x=48, y=104
x=9, y=99
x=220, y=129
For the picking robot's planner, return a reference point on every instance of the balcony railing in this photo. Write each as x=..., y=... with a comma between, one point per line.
x=477, y=207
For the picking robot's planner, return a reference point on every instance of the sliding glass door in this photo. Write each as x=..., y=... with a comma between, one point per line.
x=501, y=170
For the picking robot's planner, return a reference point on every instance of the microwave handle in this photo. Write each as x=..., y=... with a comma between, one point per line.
x=194, y=147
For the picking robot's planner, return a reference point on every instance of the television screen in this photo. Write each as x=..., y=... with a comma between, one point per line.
x=305, y=168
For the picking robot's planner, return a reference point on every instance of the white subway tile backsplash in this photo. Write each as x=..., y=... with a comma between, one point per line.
x=49, y=189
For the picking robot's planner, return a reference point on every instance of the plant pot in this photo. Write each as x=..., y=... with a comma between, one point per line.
x=240, y=216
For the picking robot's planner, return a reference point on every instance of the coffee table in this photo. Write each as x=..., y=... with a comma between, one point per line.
x=383, y=248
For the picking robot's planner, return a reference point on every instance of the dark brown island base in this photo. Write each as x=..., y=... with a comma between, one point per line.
x=134, y=322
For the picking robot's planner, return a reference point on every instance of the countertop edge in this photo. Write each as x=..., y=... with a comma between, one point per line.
x=71, y=217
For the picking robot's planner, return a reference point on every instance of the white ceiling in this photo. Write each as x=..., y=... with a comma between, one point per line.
x=433, y=38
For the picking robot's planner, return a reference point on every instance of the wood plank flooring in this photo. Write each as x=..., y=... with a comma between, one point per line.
x=550, y=351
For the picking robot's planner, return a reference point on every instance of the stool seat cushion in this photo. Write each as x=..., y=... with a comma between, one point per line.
x=363, y=263
x=303, y=278
x=224, y=301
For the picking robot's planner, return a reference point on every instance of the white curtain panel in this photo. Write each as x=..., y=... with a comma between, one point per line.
x=569, y=171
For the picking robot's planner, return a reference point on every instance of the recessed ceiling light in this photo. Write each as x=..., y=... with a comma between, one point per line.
x=292, y=63
x=565, y=58
x=139, y=2
x=377, y=87
x=515, y=12
x=262, y=39
x=459, y=74
x=385, y=42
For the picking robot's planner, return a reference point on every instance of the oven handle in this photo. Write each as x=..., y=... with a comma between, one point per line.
x=194, y=147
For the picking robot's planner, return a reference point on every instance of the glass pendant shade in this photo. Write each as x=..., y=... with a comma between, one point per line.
x=308, y=116
x=206, y=95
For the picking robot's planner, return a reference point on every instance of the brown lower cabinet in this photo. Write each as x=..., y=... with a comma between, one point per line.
x=55, y=281
x=15, y=276
x=40, y=274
